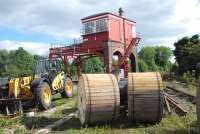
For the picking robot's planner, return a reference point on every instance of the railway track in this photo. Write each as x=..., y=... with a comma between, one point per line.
x=172, y=103
x=179, y=101
x=188, y=96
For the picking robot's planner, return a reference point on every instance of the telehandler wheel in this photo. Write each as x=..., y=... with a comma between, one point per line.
x=43, y=96
x=68, y=88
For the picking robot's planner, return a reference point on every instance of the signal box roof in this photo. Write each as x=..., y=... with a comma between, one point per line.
x=105, y=13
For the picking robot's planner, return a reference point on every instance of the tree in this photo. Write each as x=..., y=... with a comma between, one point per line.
x=162, y=57
x=154, y=58
x=17, y=63
x=143, y=67
x=22, y=61
x=92, y=65
x=72, y=68
x=187, y=53
x=3, y=62
x=147, y=54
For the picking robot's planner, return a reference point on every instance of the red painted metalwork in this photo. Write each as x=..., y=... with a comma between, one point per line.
x=103, y=35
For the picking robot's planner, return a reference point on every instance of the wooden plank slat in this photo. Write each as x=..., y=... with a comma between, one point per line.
x=98, y=98
x=145, y=97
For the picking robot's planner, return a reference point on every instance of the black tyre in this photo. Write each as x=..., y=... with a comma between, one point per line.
x=43, y=96
x=68, y=88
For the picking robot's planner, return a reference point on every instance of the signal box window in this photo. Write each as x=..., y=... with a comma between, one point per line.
x=100, y=25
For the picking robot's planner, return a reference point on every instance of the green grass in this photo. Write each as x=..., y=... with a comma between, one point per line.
x=22, y=131
x=58, y=100
x=192, y=88
x=171, y=124
x=4, y=122
x=42, y=121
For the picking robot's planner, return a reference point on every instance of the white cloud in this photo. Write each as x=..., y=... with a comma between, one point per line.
x=186, y=15
x=32, y=47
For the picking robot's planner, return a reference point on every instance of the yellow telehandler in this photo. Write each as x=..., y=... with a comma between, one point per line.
x=48, y=79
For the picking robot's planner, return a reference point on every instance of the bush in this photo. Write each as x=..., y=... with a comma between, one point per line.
x=188, y=77
x=190, y=80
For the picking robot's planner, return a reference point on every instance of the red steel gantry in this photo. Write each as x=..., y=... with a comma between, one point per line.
x=103, y=35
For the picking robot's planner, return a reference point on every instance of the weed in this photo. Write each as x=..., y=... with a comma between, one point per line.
x=6, y=121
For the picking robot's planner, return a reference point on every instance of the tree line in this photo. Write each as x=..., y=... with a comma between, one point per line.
x=17, y=63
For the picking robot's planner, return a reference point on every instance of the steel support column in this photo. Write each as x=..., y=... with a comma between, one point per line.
x=108, y=57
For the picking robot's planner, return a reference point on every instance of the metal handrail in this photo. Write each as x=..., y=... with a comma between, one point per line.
x=69, y=43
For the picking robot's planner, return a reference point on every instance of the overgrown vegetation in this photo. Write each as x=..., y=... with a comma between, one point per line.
x=189, y=78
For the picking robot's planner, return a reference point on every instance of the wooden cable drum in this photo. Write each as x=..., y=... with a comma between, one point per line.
x=98, y=98
x=145, y=97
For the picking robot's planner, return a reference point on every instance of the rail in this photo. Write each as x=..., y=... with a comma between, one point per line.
x=186, y=95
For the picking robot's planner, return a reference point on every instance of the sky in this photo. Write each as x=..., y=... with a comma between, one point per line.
x=35, y=25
